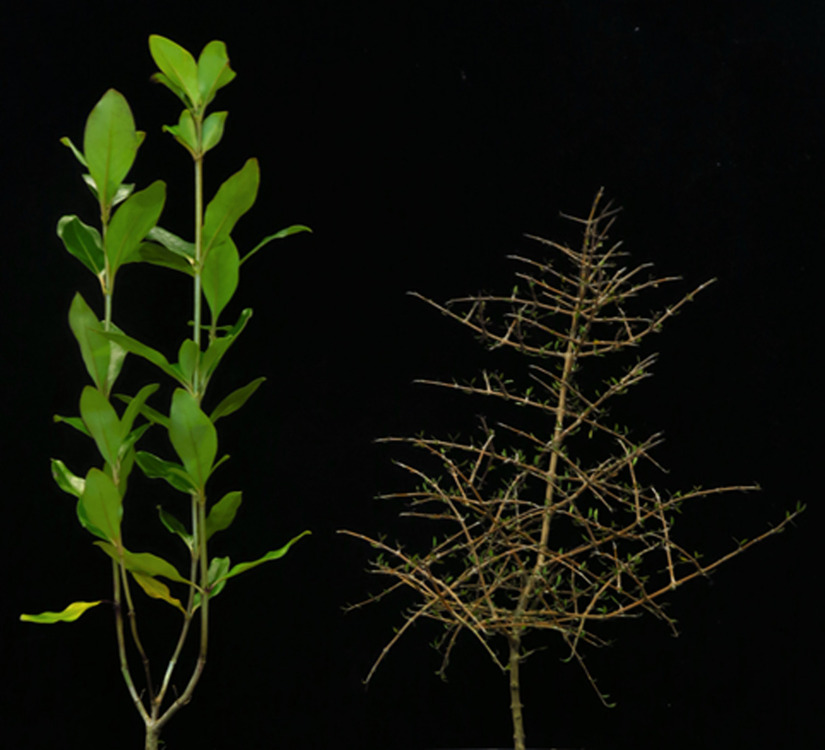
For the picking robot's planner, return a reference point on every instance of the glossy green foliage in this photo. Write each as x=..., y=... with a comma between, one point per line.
x=127, y=231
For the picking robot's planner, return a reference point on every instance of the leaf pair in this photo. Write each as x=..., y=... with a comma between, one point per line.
x=129, y=226
x=194, y=83
x=195, y=440
x=184, y=369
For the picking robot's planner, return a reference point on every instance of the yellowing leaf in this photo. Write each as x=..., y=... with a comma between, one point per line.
x=157, y=590
x=70, y=614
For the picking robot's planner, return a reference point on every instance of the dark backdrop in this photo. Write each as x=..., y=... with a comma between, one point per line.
x=420, y=140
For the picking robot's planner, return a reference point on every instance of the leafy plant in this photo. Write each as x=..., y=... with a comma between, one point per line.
x=545, y=522
x=129, y=233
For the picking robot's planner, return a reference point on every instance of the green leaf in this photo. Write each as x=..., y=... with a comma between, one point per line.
x=110, y=144
x=188, y=356
x=66, y=480
x=154, y=416
x=294, y=229
x=218, y=347
x=157, y=255
x=126, y=455
x=235, y=400
x=66, y=141
x=134, y=346
x=102, y=357
x=213, y=71
x=125, y=190
x=75, y=422
x=184, y=132
x=272, y=555
x=178, y=67
x=135, y=407
x=156, y=468
x=131, y=223
x=218, y=566
x=223, y=513
x=193, y=436
x=167, y=250
x=83, y=242
x=173, y=243
x=233, y=199
x=100, y=509
x=70, y=614
x=220, y=276
x=142, y=562
x=212, y=131
x=102, y=421
x=173, y=525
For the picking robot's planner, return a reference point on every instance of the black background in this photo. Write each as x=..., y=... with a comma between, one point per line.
x=420, y=140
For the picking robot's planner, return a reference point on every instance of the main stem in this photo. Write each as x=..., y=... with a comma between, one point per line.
x=531, y=579
x=515, y=692
x=196, y=334
x=155, y=723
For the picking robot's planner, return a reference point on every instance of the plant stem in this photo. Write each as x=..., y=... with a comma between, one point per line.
x=196, y=333
x=515, y=692
x=121, y=644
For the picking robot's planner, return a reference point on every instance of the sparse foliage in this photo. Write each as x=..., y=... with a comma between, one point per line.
x=546, y=521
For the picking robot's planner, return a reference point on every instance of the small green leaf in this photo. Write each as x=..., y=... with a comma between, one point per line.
x=223, y=513
x=83, y=242
x=218, y=566
x=294, y=229
x=213, y=71
x=125, y=189
x=235, y=400
x=193, y=436
x=173, y=243
x=70, y=614
x=66, y=480
x=272, y=555
x=156, y=468
x=184, y=132
x=110, y=144
x=135, y=407
x=131, y=223
x=102, y=357
x=75, y=422
x=212, y=130
x=178, y=67
x=102, y=422
x=220, y=276
x=157, y=255
x=154, y=416
x=233, y=199
x=218, y=347
x=66, y=141
x=100, y=508
x=134, y=346
x=188, y=360
x=173, y=525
